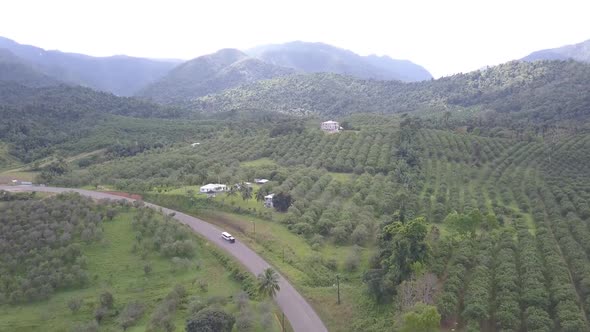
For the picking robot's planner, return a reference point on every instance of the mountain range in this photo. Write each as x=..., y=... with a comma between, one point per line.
x=323, y=58
x=120, y=75
x=170, y=81
x=211, y=73
x=578, y=52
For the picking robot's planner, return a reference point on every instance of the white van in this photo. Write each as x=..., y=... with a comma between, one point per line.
x=227, y=236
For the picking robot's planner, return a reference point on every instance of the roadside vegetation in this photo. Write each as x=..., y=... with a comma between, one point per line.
x=162, y=277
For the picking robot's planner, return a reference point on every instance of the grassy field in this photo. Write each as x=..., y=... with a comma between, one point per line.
x=113, y=267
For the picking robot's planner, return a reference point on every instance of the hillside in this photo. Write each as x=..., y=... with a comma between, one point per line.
x=319, y=57
x=480, y=204
x=94, y=266
x=35, y=120
x=14, y=69
x=578, y=52
x=121, y=75
x=539, y=90
x=211, y=73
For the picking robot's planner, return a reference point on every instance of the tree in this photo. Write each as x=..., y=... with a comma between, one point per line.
x=106, y=300
x=268, y=283
x=210, y=320
x=261, y=193
x=245, y=191
x=421, y=317
x=75, y=305
x=282, y=201
x=111, y=213
x=464, y=224
x=131, y=314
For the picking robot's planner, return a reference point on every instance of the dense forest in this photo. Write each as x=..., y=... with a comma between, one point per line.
x=541, y=91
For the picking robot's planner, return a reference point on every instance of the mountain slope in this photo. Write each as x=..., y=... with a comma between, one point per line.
x=546, y=90
x=121, y=75
x=578, y=52
x=13, y=69
x=211, y=73
x=319, y=57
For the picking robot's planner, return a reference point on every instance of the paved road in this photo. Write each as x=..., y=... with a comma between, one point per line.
x=299, y=313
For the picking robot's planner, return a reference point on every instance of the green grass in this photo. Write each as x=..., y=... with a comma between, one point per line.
x=342, y=177
x=272, y=238
x=6, y=160
x=7, y=176
x=258, y=163
x=112, y=266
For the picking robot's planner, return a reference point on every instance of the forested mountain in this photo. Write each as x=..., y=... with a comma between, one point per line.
x=578, y=52
x=35, y=120
x=319, y=57
x=540, y=91
x=14, y=69
x=211, y=73
x=121, y=75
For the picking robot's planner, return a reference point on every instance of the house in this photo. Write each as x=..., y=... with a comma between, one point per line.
x=261, y=181
x=268, y=200
x=330, y=126
x=213, y=188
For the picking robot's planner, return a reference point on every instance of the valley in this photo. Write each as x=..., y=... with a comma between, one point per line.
x=459, y=203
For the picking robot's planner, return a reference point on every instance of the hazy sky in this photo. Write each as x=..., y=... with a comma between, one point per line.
x=444, y=36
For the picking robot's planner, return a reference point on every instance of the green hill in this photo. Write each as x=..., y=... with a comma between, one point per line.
x=540, y=92
x=208, y=74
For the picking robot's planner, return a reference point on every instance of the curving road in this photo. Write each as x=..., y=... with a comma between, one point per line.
x=299, y=313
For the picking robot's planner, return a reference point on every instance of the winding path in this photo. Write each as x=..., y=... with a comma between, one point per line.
x=299, y=313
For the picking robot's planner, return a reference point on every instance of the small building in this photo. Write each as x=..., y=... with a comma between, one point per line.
x=26, y=183
x=261, y=181
x=330, y=126
x=268, y=200
x=213, y=188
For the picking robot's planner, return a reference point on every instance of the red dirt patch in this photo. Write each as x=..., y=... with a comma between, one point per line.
x=122, y=194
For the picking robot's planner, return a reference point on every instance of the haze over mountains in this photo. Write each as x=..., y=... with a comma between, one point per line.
x=323, y=58
x=169, y=81
x=211, y=73
x=121, y=75
x=578, y=52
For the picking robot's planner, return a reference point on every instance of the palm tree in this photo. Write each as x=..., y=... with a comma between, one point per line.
x=246, y=191
x=261, y=193
x=233, y=191
x=268, y=283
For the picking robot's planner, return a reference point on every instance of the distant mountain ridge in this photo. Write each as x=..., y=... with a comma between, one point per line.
x=319, y=57
x=578, y=52
x=542, y=91
x=14, y=69
x=212, y=73
x=121, y=75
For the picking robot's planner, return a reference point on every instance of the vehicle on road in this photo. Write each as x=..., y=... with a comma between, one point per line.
x=227, y=236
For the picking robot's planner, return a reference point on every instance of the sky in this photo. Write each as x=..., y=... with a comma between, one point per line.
x=444, y=36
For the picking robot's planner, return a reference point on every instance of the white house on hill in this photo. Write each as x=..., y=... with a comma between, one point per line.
x=268, y=200
x=330, y=126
